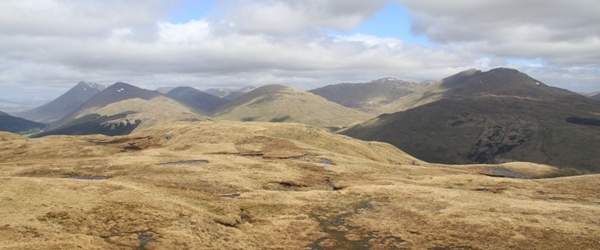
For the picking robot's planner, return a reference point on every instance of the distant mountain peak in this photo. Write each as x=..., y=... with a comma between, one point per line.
x=64, y=104
x=122, y=85
x=386, y=79
x=93, y=85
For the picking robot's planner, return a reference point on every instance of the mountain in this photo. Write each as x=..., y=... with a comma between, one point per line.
x=597, y=97
x=219, y=92
x=229, y=94
x=18, y=125
x=164, y=90
x=202, y=102
x=276, y=103
x=121, y=109
x=369, y=97
x=64, y=104
x=497, y=116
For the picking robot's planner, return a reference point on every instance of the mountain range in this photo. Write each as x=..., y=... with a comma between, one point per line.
x=498, y=116
x=121, y=109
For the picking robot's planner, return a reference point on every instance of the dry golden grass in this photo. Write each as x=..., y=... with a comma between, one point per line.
x=158, y=110
x=269, y=186
x=283, y=104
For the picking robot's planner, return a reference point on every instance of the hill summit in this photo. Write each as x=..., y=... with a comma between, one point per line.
x=277, y=103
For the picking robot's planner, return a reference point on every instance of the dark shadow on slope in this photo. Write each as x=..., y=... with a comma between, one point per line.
x=95, y=124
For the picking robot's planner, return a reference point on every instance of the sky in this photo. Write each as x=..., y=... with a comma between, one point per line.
x=48, y=46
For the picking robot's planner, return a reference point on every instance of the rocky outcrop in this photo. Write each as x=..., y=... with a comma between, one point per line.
x=499, y=138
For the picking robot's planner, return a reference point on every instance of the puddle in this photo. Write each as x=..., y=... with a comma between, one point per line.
x=145, y=237
x=510, y=174
x=344, y=236
x=232, y=196
x=188, y=162
x=326, y=161
x=338, y=231
x=84, y=177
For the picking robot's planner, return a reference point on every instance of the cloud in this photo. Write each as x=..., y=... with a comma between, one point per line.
x=563, y=32
x=47, y=46
x=285, y=17
x=77, y=18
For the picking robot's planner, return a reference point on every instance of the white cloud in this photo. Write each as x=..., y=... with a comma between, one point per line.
x=562, y=32
x=284, y=17
x=77, y=18
x=47, y=46
x=188, y=33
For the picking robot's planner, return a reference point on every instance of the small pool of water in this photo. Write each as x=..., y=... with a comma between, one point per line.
x=232, y=196
x=507, y=173
x=87, y=177
x=326, y=161
x=188, y=162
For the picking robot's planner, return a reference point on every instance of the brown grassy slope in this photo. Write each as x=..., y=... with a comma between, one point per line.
x=135, y=112
x=375, y=196
x=276, y=103
x=156, y=111
x=115, y=93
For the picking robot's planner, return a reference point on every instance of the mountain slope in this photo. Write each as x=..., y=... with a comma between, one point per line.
x=369, y=97
x=200, y=101
x=276, y=103
x=18, y=125
x=597, y=97
x=121, y=109
x=496, y=116
x=64, y=104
